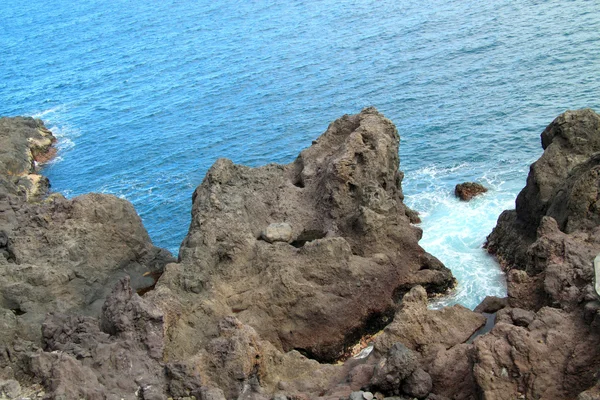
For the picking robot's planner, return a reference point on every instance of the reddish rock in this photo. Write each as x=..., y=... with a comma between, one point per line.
x=555, y=357
x=466, y=191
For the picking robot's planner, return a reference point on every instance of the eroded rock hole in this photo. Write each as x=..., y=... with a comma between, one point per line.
x=359, y=158
x=354, y=341
x=358, y=339
x=308, y=236
x=298, y=182
x=155, y=275
x=18, y=311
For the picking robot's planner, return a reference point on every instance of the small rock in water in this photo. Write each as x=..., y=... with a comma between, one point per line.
x=466, y=191
x=278, y=232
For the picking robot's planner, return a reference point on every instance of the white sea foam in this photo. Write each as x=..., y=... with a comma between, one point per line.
x=455, y=231
x=50, y=111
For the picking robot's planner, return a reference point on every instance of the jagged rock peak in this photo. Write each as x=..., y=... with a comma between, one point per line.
x=351, y=247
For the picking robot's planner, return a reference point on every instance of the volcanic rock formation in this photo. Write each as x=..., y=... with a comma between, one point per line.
x=280, y=261
x=547, y=345
x=311, y=254
x=285, y=262
x=57, y=255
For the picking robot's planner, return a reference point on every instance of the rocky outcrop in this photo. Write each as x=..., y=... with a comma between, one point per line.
x=547, y=246
x=25, y=143
x=554, y=356
x=275, y=258
x=58, y=255
x=467, y=190
x=290, y=249
x=552, y=234
x=285, y=262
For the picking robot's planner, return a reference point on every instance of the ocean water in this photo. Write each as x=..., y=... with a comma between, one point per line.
x=145, y=96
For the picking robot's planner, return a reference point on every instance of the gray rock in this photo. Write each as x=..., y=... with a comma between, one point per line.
x=491, y=304
x=10, y=389
x=361, y=395
x=399, y=363
x=342, y=196
x=277, y=232
x=418, y=384
x=368, y=396
x=357, y=395
x=211, y=393
x=25, y=141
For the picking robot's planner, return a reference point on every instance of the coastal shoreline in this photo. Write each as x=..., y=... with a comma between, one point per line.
x=288, y=265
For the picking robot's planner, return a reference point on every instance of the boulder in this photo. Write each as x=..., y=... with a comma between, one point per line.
x=400, y=363
x=556, y=356
x=552, y=234
x=351, y=235
x=418, y=384
x=277, y=232
x=467, y=190
x=491, y=304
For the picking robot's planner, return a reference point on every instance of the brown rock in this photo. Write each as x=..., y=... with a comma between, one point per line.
x=418, y=327
x=553, y=233
x=491, y=304
x=556, y=357
x=466, y=191
x=418, y=384
x=351, y=235
x=451, y=371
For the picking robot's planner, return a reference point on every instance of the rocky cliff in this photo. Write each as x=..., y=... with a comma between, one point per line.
x=288, y=268
x=547, y=343
x=312, y=254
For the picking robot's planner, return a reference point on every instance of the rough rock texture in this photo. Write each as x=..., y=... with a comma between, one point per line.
x=562, y=184
x=417, y=327
x=555, y=357
x=438, y=337
x=286, y=261
x=66, y=255
x=492, y=304
x=547, y=246
x=57, y=255
x=399, y=364
x=418, y=384
x=466, y=191
x=25, y=142
x=351, y=235
x=114, y=357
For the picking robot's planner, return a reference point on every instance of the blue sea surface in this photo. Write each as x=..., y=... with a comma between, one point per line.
x=144, y=96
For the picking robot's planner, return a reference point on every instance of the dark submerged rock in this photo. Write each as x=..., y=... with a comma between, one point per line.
x=467, y=190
